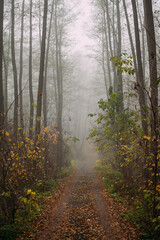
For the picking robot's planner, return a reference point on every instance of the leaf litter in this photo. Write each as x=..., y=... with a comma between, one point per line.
x=81, y=209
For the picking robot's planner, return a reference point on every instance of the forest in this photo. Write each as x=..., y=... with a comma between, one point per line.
x=79, y=89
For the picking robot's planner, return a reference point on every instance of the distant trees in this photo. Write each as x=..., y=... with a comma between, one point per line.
x=30, y=60
x=32, y=147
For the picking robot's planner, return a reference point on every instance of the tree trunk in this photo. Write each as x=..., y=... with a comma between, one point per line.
x=105, y=43
x=21, y=70
x=1, y=65
x=60, y=91
x=151, y=42
x=15, y=127
x=119, y=47
x=110, y=38
x=41, y=72
x=30, y=77
x=46, y=70
x=140, y=85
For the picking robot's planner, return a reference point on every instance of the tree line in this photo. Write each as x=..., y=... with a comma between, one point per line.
x=34, y=76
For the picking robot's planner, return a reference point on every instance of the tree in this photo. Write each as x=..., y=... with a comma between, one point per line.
x=151, y=42
x=140, y=81
x=46, y=69
x=21, y=68
x=30, y=77
x=1, y=60
x=15, y=128
x=59, y=76
x=41, y=71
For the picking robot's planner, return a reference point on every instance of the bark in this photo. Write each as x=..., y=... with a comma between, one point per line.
x=110, y=38
x=105, y=48
x=1, y=65
x=15, y=127
x=140, y=85
x=60, y=90
x=21, y=69
x=30, y=78
x=119, y=49
x=41, y=72
x=46, y=70
x=103, y=68
x=151, y=42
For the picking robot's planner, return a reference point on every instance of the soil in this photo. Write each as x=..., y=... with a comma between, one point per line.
x=82, y=211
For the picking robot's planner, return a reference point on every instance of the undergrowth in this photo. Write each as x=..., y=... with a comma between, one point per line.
x=139, y=214
x=31, y=206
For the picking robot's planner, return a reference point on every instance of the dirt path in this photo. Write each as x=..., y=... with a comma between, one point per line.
x=83, y=211
x=81, y=214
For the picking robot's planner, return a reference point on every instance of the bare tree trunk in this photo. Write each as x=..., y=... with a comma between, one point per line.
x=120, y=81
x=21, y=69
x=41, y=72
x=1, y=65
x=130, y=38
x=59, y=92
x=46, y=68
x=107, y=52
x=15, y=127
x=30, y=78
x=140, y=85
x=103, y=66
x=110, y=43
x=149, y=24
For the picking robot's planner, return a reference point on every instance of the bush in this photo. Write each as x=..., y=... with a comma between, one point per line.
x=65, y=172
x=46, y=186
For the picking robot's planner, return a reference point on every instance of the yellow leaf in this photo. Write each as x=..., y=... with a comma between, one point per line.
x=146, y=137
x=46, y=128
x=7, y=134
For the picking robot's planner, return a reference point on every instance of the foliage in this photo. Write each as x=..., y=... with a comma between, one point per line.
x=127, y=167
x=46, y=186
x=124, y=65
x=27, y=172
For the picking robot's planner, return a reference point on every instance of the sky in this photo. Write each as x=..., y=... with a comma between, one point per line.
x=82, y=26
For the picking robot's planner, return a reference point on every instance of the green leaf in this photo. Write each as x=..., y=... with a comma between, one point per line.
x=35, y=105
x=158, y=80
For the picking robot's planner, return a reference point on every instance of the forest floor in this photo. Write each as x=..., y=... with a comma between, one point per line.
x=82, y=210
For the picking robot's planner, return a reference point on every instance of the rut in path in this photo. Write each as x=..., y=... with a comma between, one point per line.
x=82, y=213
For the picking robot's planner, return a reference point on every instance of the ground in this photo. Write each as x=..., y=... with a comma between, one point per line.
x=82, y=210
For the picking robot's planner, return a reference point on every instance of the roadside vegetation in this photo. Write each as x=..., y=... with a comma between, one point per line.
x=28, y=174
x=127, y=165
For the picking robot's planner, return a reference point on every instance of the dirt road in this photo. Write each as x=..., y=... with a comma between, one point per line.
x=83, y=211
x=81, y=214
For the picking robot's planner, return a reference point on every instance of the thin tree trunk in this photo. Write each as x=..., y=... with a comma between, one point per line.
x=120, y=81
x=107, y=51
x=1, y=65
x=46, y=71
x=15, y=127
x=151, y=42
x=41, y=72
x=110, y=43
x=60, y=93
x=30, y=78
x=140, y=85
x=21, y=69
